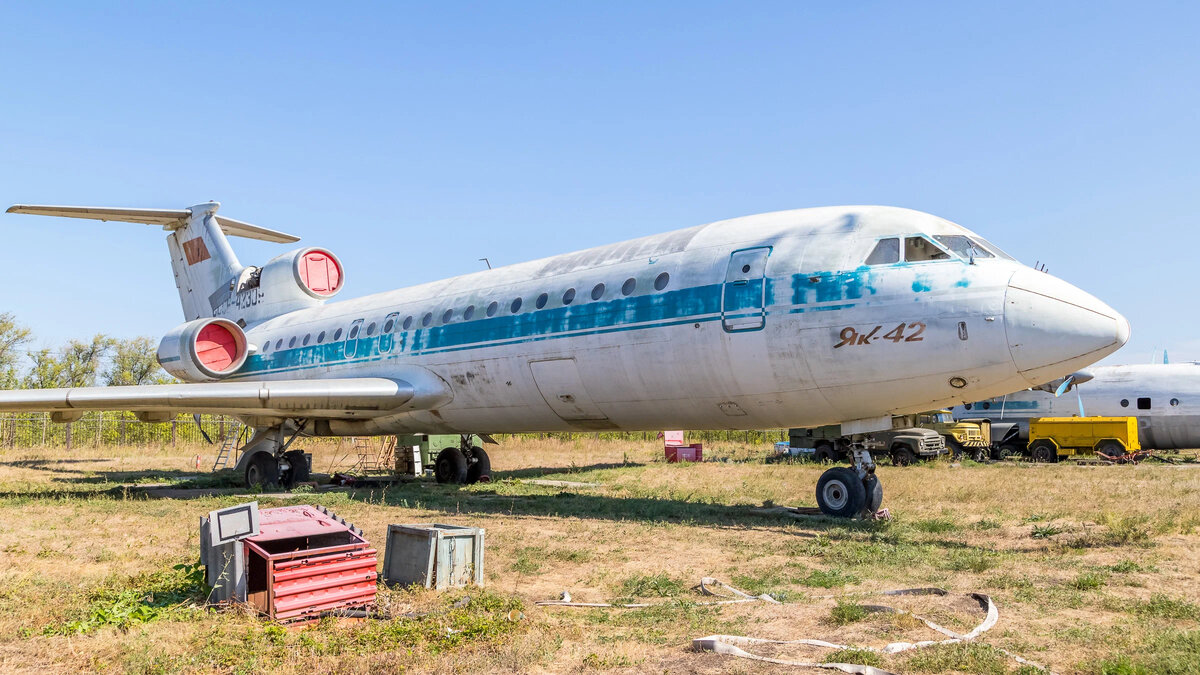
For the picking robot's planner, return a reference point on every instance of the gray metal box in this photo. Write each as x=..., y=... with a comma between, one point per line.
x=433, y=555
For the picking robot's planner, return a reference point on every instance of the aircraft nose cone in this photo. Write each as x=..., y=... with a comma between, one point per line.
x=1054, y=328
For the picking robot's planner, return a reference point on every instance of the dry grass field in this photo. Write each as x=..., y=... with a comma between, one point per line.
x=1094, y=569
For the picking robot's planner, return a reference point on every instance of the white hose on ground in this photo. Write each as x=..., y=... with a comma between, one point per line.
x=731, y=645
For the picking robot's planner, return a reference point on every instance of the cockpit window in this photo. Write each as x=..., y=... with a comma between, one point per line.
x=917, y=249
x=886, y=252
x=963, y=246
x=992, y=247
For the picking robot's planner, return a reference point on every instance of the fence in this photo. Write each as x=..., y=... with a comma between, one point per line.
x=108, y=428
x=98, y=429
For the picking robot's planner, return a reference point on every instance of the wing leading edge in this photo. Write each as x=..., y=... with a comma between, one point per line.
x=347, y=398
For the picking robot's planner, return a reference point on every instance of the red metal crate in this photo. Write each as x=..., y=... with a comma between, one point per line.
x=684, y=453
x=306, y=561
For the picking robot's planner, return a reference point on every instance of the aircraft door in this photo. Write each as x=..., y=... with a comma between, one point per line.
x=560, y=385
x=387, y=337
x=744, y=292
x=350, y=348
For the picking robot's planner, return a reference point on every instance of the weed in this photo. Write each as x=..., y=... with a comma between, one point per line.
x=1045, y=531
x=1170, y=652
x=935, y=525
x=862, y=657
x=1126, y=530
x=1162, y=606
x=1089, y=581
x=768, y=582
x=598, y=662
x=986, y=524
x=833, y=578
x=964, y=656
x=142, y=599
x=970, y=560
x=846, y=612
x=529, y=559
x=658, y=585
x=1128, y=566
x=1008, y=581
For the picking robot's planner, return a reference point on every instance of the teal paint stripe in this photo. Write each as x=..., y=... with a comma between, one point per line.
x=700, y=304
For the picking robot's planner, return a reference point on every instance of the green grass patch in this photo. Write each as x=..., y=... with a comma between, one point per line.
x=966, y=657
x=846, y=613
x=832, y=578
x=169, y=594
x=1162, y=606
x=862, y=657
x=1045, y=531
x=1170, y=652
x=659, y=585
x=935, y=525
x=1089, y=581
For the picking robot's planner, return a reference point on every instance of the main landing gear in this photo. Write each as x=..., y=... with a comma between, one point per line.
x=464, y=465
x=266, y=461
x=847, y=492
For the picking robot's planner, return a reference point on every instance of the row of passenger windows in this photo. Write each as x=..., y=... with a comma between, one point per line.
x=470, y=312
x=919, y=248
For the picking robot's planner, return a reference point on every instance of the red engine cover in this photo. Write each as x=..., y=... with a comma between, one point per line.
x=216, y=347
x=320, y=272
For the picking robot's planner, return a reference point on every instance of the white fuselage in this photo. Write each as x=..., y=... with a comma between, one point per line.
x=766, y=321
x=1164, y=397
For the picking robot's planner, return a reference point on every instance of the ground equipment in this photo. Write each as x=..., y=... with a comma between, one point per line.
x=1054, y=437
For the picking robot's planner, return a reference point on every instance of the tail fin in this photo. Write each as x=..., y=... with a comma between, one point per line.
x=206, y=268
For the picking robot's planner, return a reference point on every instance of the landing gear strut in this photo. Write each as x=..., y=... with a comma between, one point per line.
x=464, y=465
x=847, y=492
x=267, y=462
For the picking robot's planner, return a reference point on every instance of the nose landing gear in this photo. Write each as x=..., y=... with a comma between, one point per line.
x=848, y=492
x=463, y=465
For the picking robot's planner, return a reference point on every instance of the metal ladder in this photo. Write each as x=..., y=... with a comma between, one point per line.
x=229, y=445
x=373, y=458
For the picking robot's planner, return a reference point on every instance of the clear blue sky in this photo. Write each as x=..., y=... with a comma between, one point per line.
x=414, y=139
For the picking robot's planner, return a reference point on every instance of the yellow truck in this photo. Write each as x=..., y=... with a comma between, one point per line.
x=972, y=438
x=1054, y=437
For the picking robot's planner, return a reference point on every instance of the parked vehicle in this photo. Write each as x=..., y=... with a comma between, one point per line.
x=971, y=438
x=905, y=444
x=1054, y=437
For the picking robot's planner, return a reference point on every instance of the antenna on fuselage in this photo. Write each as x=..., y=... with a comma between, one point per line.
x=488, y=262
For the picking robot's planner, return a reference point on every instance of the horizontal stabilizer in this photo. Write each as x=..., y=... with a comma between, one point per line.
x=168, y=219
x=330, y=399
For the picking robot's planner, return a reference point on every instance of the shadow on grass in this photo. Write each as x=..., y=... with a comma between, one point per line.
x=538, y=471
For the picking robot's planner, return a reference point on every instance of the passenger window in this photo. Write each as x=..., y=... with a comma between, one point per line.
x=886, y=252
x=491, y=310
x=629, y=286
x=569, y=296
x=516, y=306
x=266, y=346
x=307, y=337
x=919, y=249
x=447, y=316
x=962, y=246
x=598, y=291
x=660, y=282
x=408, y=322
x=542, y=300
x=337, y=335
x=278, y=344
x=427, y=319
x=320, y=337
x=388, y=325
x=353, y=332
x=1143, y=403
x=371, y=329
x=468, y=312
x=292, y=343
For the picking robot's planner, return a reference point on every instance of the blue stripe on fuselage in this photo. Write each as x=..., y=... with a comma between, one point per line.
x=700, y=304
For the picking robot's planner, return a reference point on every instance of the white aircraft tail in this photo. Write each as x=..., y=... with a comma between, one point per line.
x=206, y=268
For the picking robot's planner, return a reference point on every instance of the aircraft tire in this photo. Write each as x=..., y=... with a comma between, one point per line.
x=262, y=469
x=1043, y=451
x=451, y=466
x=874, y=493
x=298, y=471
x=481, y=468
x=841, y=493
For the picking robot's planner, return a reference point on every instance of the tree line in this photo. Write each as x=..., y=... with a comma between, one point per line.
x=102, y=360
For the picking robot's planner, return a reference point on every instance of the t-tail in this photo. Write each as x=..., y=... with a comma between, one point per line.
x=211, y=280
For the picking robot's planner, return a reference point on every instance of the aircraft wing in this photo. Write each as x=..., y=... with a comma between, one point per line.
x=346, y=398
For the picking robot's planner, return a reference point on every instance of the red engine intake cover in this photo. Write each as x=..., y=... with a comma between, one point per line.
x=217, y=347
x=320, y=272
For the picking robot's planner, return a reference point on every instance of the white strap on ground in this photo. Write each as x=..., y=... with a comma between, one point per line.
x=731, y=645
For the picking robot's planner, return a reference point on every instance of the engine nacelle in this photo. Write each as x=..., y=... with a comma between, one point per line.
x=303, y=274
x=204, y=350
